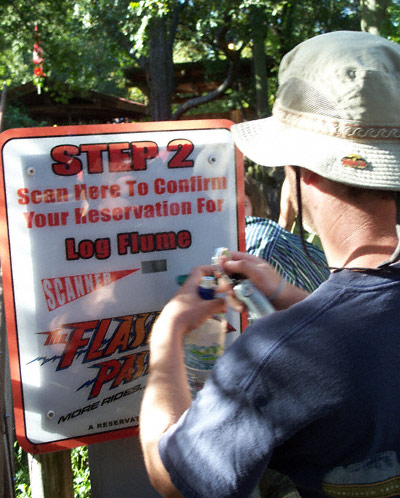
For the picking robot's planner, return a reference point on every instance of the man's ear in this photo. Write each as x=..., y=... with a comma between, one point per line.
x=309, y=177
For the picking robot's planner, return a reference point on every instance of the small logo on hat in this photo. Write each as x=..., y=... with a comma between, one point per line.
x=354, y=161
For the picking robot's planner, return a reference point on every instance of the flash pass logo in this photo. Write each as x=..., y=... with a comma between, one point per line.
x=95, y=342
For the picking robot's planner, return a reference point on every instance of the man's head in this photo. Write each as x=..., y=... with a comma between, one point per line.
x=337, y=112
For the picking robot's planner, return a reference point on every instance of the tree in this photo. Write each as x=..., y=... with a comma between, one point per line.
x=260, y=30
x=150, y=34
x=374, y=15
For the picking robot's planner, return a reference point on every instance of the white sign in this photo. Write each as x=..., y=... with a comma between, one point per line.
x=98, y=224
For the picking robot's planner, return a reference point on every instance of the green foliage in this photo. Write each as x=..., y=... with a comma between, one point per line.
x=75, y=50
x=18, y=117
x=391, y=29
x=89, y=44
x=22, y=483
x=81, y=471
x=272, y=177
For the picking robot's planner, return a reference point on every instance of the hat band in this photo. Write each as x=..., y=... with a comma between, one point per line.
x=335, y=128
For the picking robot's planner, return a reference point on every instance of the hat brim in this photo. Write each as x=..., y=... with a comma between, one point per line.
x=269, y=142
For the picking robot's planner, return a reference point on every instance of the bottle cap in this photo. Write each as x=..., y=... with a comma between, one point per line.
x=207, y=288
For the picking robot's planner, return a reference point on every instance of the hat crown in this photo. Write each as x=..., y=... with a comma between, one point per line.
x=351, y=76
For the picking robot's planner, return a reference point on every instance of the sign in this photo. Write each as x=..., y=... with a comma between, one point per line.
x=98, y=223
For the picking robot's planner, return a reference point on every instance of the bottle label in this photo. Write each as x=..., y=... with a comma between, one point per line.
x=202, y=357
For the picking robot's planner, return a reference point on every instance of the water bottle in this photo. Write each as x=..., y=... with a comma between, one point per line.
x=205, y=344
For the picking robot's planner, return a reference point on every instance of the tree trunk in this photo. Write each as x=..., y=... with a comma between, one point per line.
x=259, y=27
x=160, y=71
x=373, y=15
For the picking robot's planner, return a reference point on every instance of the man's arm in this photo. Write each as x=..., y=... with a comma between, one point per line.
x=167, y=394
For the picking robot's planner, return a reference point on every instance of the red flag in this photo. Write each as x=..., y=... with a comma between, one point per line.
x=37, y=57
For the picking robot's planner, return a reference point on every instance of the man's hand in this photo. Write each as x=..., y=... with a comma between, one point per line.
x=265, y=278
x=187, y=309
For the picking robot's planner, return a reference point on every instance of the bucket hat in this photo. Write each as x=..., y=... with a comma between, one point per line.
x=337, y=112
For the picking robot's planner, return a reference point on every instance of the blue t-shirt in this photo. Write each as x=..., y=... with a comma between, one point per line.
x=312, y=392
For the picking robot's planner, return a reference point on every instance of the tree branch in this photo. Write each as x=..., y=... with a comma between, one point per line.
x=196, y=101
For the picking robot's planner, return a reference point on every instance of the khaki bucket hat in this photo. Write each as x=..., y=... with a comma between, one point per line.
x=337, y=112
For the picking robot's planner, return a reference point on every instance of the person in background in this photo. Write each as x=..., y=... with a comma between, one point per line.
x=282, y=249
x=311, y=390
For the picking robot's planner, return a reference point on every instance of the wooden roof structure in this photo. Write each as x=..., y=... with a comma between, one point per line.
x=193, y=78
x=61, y=105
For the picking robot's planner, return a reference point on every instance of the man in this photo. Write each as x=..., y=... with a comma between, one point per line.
x=311, y=391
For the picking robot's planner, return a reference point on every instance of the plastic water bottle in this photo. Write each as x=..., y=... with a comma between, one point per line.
x=205, y=344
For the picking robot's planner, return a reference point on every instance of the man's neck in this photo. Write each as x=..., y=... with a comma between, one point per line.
x=359, y=238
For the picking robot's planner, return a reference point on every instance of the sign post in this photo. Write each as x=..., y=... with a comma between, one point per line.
x=98, y=223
